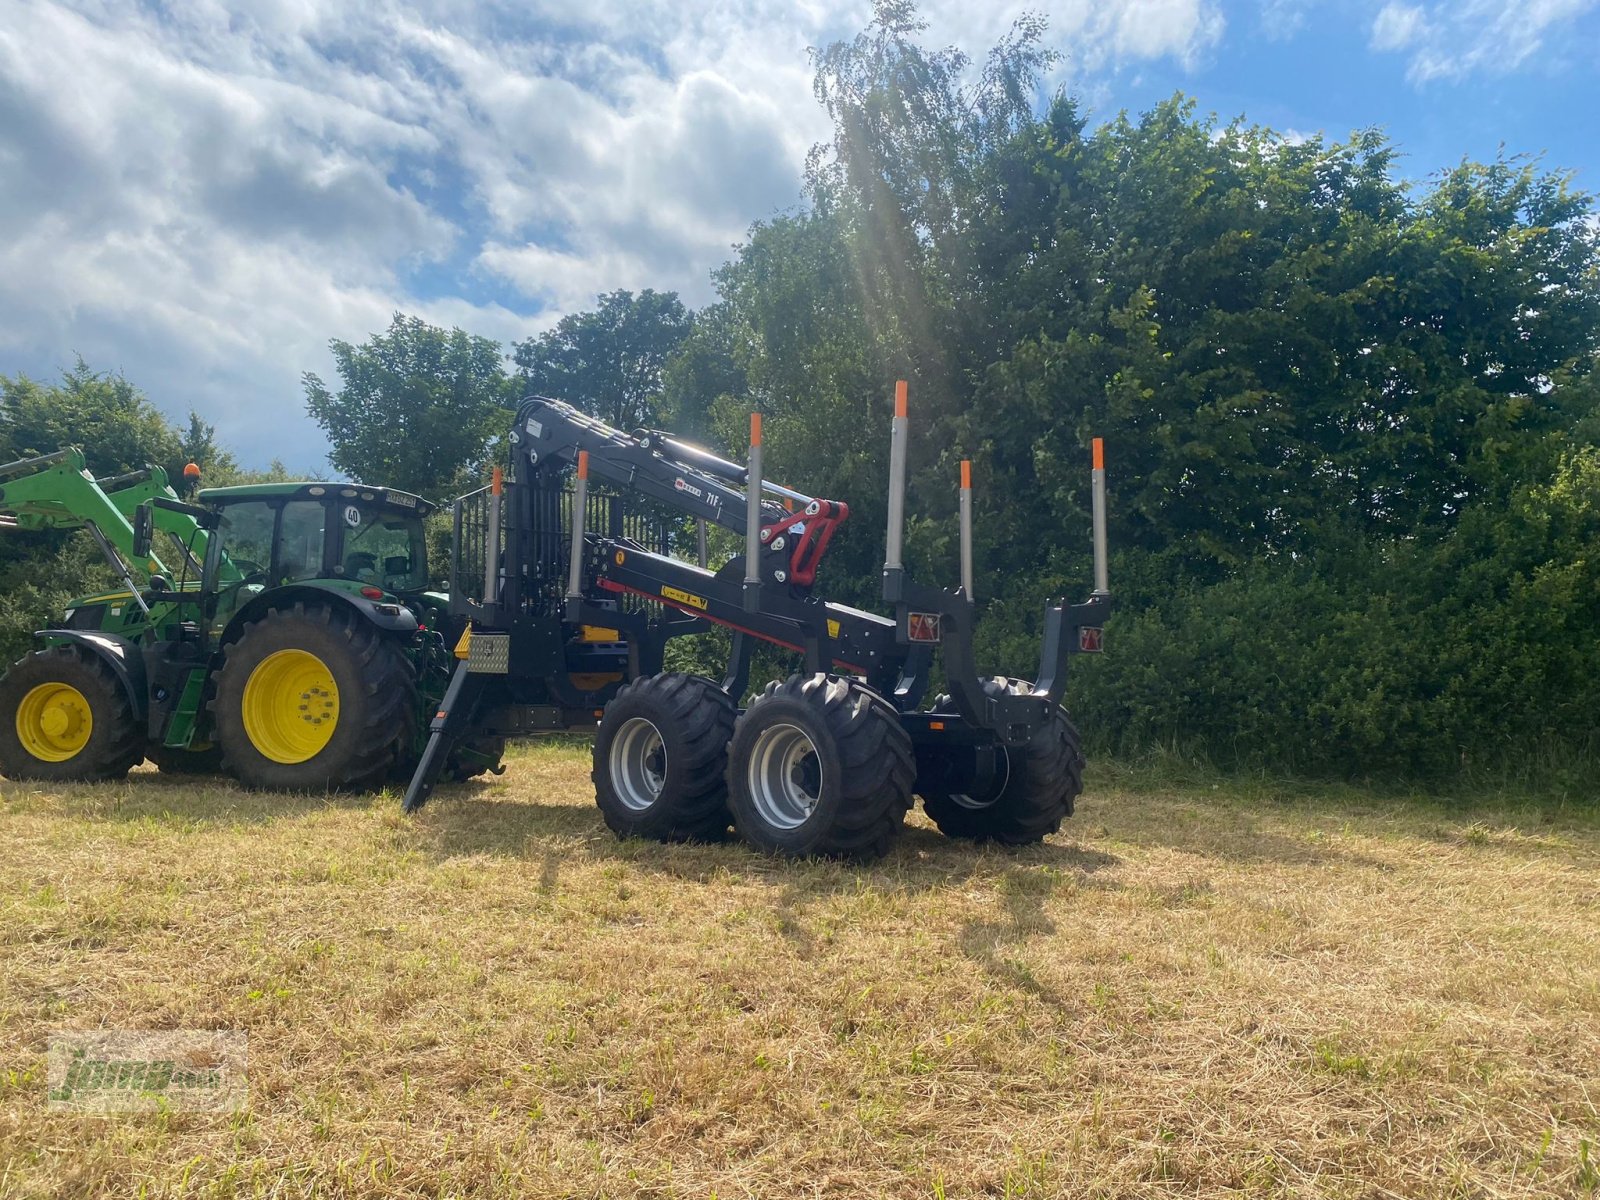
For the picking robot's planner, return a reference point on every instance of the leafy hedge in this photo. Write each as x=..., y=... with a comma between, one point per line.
x=1478, y=654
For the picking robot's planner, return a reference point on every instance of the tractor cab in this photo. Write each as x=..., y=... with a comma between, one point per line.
x=282, y=533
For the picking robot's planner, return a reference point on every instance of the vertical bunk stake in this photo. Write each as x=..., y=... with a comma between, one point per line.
x=966, y=529
x=580, y=505
x=752, y=518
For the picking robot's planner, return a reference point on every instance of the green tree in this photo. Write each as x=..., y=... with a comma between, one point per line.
x=417, y=406
x=609, y=362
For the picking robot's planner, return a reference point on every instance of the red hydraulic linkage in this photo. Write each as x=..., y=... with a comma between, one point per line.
x=816, y=529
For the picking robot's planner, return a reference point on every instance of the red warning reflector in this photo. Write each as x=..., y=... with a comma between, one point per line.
x=922, y=627
x=372, y=593
x=1091, y=639
x=935, y=725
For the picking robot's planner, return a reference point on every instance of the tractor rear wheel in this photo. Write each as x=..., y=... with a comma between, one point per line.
x=1032, y=792
x=660, y=757
x=820, y=765
x=312, y=698
x=66, y=717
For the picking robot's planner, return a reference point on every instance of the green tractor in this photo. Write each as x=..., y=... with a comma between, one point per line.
x=288, y=634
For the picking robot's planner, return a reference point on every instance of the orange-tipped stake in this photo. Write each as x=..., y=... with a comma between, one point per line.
x=497, y=480
x=580, y=511
x=966, y=528
x=752, y=515
x=1097, y=480
x=898, y=433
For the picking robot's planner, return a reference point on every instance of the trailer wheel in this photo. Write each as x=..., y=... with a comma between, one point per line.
x=820, y=765
x=660, y=757
x=1033, y=792
x=312, y=698
x=65, y=718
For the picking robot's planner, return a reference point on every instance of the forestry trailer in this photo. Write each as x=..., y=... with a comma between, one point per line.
x=563, y=576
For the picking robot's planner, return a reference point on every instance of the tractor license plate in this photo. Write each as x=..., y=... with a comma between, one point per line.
x=1091, y=639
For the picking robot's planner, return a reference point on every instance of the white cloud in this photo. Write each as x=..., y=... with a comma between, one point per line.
x=1280, y=20
x=1398, y=26
x=203, y=192
x=1451, y=39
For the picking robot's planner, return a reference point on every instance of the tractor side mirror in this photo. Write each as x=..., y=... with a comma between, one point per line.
x=142, y=525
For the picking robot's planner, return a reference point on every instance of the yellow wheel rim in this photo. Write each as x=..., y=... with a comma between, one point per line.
x=291, y=706
x=54, y=722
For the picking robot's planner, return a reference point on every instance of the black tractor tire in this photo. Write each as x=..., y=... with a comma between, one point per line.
x=175, y=760
x=472, y=757
x=820, y=765
x=375, y=705
x=53, y=717
x=660, y=759
x=1037, y=789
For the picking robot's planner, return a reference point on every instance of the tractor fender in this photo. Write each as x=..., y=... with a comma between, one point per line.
x=379, y=613
x=117, y=652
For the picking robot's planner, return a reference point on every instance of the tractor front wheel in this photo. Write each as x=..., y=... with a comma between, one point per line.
x=65, y=717
x=313, y=698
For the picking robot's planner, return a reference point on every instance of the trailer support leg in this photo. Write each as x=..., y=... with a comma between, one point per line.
x=460, y=698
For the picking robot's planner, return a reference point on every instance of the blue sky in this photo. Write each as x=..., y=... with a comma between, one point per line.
x=201, y=193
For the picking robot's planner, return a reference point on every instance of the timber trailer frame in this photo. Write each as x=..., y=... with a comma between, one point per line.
x=572, y=596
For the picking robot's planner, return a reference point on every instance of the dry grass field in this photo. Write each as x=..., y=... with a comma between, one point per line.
x=1193, y=990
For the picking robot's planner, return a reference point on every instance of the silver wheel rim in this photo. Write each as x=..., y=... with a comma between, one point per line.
x=638, y=764
x=963, y=800
x=784, y=776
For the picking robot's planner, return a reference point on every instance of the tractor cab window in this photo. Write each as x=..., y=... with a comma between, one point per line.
x=384, y=548
x=300, y=541
x=247, y=536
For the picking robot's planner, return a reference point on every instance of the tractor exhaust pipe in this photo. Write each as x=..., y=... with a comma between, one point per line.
x=580, y=509
x=897, y=481
x=1102, y=586
x=966, y=529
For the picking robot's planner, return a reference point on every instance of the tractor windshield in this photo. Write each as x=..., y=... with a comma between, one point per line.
x=384, y=548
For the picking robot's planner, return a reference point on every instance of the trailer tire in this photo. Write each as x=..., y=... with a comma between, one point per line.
x=660, y=759
x=66, y=718
x=334, y=668
x=1037, y=793
x=820, y=765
